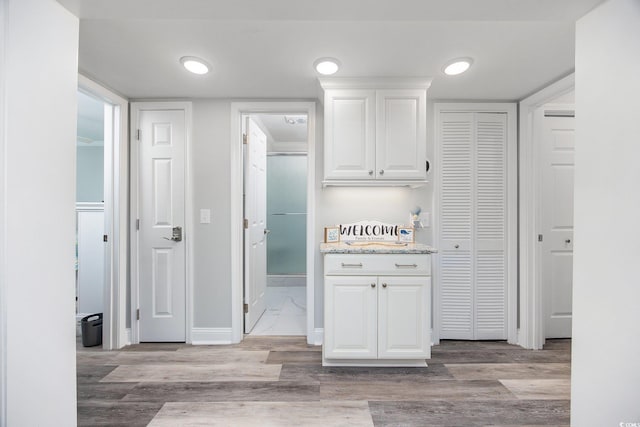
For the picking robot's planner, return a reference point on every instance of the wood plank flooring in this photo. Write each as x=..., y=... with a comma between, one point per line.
x=279, y=381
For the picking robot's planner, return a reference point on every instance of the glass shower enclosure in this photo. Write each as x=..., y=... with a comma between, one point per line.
x=287, y=214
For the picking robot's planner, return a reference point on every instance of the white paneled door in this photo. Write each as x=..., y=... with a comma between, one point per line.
x=256, y=232
x=558, y=143
x=162, y=278
x=472, y=225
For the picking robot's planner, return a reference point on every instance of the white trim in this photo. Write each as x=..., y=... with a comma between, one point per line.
x=136, y=107
x=237, y=110
x=512, y=210
x=531, y=304
x=288, y=280
x=375, y=82
x=4, y=24
x=211, y=336
x=317, y=338
x=116, y=187
x=127, y=336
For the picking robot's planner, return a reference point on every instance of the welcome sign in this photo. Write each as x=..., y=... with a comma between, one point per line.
x=374, y=231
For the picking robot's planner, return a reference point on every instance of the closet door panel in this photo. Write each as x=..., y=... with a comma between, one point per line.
x=456, y=210
x=490, y=226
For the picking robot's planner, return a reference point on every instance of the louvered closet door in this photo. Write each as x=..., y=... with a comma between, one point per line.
x=456, y=209
x=472, y=234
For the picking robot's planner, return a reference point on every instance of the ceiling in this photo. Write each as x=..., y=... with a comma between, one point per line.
x=265, y=49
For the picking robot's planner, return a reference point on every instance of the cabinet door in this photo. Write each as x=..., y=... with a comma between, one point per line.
x=404, y=317
x=349, y=134
x=350, y=317
x=401, y=135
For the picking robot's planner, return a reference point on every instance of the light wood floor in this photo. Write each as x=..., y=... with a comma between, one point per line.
x=279, y=381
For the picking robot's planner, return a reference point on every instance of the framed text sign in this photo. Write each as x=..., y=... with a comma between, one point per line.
x=369, y=231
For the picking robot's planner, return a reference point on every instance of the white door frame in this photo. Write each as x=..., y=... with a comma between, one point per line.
x=4, y=24
x=136, y=108
x=116, y=211
x=238, y=109
x=531, y=333
x=512, y=210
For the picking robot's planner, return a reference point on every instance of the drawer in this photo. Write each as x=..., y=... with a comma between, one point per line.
x=377, y=264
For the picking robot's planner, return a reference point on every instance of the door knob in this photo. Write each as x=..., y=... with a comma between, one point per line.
x=384, y=285
x=381, y=172
x=371, y=172
x=176, y=234
x=373, y=285
x=567, y=241
x=456, y=246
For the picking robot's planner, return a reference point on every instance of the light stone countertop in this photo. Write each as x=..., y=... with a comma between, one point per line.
x=373, y=248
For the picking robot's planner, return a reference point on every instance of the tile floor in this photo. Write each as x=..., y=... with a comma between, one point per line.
x=286, y=312
x=279, y=381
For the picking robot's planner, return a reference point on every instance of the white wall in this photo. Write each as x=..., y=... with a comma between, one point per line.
x=90, y=174
x=605, y=388
x=38, y=226
x=211, y=174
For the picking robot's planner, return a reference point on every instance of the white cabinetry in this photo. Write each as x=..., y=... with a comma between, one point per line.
x=375, y=131
x=377, y=309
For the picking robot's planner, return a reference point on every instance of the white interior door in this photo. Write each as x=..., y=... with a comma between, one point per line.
x=558, y=144
x=162, y=280
x=255, y=252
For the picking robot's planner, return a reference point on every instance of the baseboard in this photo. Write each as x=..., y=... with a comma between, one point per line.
x=211, y=336
x=317, y=337
x=287, y=280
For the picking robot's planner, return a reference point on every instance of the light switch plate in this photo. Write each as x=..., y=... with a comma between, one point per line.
x=205, y=216
x=426, y=219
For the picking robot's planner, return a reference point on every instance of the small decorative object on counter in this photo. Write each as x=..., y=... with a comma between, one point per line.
x=406, y=234
x=331, y=234
x=415, y=217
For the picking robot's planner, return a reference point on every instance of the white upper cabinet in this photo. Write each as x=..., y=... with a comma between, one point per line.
x=350, y=117
x=401, y=134
x=375, y=131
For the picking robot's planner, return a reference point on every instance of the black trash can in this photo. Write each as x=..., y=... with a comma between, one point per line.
x=91, y=327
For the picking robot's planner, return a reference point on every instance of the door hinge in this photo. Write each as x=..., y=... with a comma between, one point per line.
x=244, y=138
x=105, y=238
x=138, y=135
x=138, y=314
x=539, y=237
x=246, y=308
x=137, y=224
x=246, y=223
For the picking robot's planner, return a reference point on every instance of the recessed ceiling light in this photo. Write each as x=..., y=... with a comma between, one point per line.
x=326, y=66
x=457, y=66
x=194, y=64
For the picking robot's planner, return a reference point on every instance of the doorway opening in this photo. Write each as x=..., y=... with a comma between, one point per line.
x=90, y=213
x=295, y=112
x=102, y=210
x=281, y=281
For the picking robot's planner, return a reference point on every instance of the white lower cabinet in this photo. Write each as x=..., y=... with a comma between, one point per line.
x=377, y=320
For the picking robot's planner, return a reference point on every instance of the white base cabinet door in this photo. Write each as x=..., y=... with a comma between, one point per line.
x=351, y=316
x=403, y=325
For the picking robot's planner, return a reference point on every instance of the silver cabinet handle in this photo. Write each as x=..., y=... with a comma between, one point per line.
x=358, y=265
x=384, y=285
x=371, y=172
x=373, y=285
x=381, y=172
x=406, y=265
